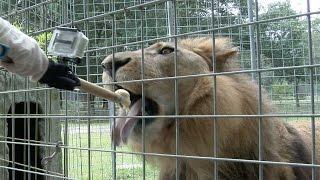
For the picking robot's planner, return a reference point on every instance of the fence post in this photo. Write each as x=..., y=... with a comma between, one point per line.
x=170, y=19
x=252, y=41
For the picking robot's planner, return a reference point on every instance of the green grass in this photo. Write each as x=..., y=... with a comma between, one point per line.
x=128, y=166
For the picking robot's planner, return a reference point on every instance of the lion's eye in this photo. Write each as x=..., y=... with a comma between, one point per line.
x=166, y=50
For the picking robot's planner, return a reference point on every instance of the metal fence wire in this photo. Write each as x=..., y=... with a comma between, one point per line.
x=50, y=134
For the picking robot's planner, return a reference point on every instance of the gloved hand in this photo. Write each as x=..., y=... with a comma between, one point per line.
x=27, y=57
x=60, y=76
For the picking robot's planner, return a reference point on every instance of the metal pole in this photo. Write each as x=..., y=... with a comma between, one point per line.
x=170, y=18
x=142, y=19
x=312, y=81
x=214, y=95
x=260, y=99
x=112, y=108
x=252, y=40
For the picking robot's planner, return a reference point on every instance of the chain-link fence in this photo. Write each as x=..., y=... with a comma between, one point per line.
x=279, y=49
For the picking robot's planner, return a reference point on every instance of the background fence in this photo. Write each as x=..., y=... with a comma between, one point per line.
x=286, y=32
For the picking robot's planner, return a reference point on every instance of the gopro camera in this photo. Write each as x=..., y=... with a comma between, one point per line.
x=68, y=44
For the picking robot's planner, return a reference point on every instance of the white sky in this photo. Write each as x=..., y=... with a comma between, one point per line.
x=298, y=5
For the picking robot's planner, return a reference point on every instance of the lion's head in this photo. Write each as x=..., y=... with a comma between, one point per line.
x=192, y=56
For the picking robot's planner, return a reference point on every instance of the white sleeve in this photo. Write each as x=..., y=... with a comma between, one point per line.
x=28, y=58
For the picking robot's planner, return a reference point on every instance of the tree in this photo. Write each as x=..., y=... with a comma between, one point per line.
x=284, y=42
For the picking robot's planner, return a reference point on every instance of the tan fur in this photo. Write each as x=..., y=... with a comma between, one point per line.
x=237, y=138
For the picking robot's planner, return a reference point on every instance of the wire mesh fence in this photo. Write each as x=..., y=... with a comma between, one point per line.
x=278, y=44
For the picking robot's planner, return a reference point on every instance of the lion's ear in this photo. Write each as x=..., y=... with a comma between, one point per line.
x=223, y=50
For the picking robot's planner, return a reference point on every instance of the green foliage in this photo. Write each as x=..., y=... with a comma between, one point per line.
x=284, y=42
x=281, y=90
x=17, y=25
x=316, y=39
x=43, y=39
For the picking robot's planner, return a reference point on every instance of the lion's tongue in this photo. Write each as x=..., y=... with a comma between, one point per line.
x=130, y=122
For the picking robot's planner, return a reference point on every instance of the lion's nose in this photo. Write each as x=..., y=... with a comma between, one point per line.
x=118, y=60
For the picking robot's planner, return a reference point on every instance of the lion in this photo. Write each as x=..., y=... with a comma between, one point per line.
x=237, y=137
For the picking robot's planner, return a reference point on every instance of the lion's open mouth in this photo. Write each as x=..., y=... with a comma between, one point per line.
x=124, y=126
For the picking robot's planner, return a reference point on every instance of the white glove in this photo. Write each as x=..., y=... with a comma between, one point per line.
x=28, y=58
